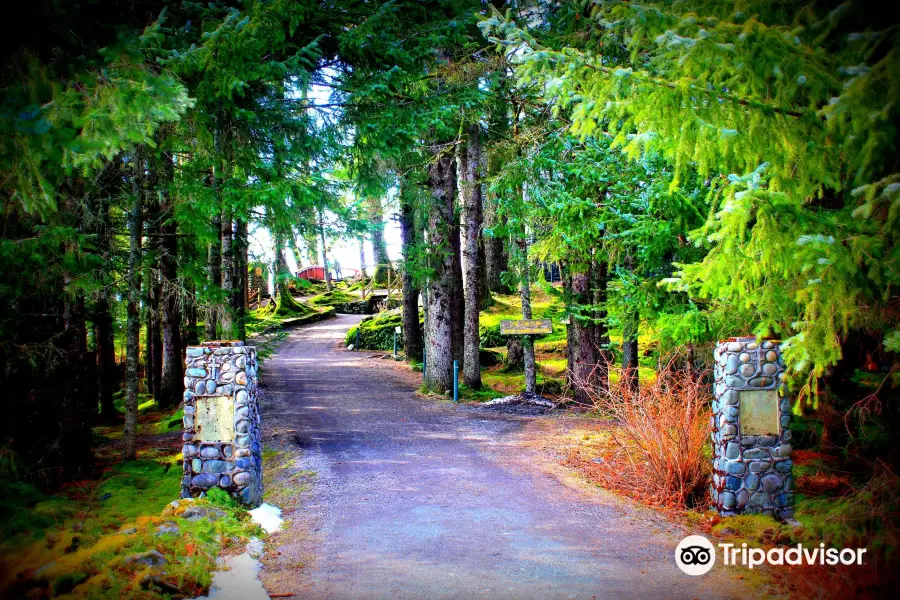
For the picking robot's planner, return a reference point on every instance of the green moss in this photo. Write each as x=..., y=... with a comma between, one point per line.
x=332, y=298
x=377, y=333
x=85, y=534
x=170, y=423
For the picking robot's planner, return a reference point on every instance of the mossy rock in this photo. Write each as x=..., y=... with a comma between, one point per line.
x=377, y=333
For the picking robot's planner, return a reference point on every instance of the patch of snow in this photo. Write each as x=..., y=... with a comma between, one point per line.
x=535, y=399
x=268, y=517
x=238, y=582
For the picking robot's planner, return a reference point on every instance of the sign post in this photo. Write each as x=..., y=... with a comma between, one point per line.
x=751, y=439
x=527, y=328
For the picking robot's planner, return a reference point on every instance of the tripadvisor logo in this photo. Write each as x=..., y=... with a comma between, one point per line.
x=695, y=555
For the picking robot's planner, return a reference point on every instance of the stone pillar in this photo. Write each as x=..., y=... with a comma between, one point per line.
x=221, y=422
x=751, y=440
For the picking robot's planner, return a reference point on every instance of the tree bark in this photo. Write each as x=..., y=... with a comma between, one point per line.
x=484, y=292
x=600, y=274
x=102, y=317
x=134, y=317
x=442, y=288
x=214, y=272
x=496, y=257
x=630, y=351
x=383, y=267
x=457, y=302
x=171, y=379
x=583, y=332
x=106, y=358
x=77, y=400
x=241, y=278
x=468, y=165
x=154, y=287
x=527, y=340
x=328, y=285
x=226, y=317
x=362, y=257
x=630, y=342
x=412, y=332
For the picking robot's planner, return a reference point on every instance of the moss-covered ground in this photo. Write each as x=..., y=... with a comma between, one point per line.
x=97, y=538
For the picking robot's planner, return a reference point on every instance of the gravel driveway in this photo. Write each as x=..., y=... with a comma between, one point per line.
x=418, y=498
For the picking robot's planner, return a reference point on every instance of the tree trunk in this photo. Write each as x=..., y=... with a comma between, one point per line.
x=171, y=380
x=412, y=332
x=630, y=351
x=515, y=354
x=468, y=167
x=527, y=340
x=484, y=292
x=630, y=322
x=442, y=288
x=383, y=267
x=154, y=337
x=153, y=285
x=241, y=278
x=106, y=357
x=496, y=258
x=226, y=317
x=582, y=328
x=77, y=399
x=457, y=302
x=190, y=334
x=102, y=317
x=600, y=274
x=362, y=257
x=214, y=273
x=328, y=285
x=134, y=317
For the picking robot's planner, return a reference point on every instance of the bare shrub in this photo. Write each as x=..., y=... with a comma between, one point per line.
x=659, y=450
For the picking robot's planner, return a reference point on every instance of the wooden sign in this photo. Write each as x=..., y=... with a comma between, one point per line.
x=759, y=412
x=526, y=327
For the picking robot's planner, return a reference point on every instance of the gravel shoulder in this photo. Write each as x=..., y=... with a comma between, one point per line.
x=390, y=495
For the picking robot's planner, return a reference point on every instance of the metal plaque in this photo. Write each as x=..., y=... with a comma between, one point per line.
x=214, y=421
x=526, y=327
x=759, y=412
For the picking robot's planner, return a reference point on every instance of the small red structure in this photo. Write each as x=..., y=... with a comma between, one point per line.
x=312, y=273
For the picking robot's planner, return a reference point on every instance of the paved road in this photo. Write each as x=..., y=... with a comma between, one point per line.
x=415, y=498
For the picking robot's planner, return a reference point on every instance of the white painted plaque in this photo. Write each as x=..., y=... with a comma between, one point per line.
x=214, y=420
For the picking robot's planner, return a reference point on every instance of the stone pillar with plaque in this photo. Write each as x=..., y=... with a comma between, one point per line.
x=221, y=422
x=752, y=467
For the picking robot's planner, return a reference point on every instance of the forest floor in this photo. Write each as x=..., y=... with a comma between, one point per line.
x=389, y=494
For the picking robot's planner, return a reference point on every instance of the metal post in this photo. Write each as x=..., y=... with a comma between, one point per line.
x=424, y=362
x=357, y=337
x=395, y=344
x=456, y=381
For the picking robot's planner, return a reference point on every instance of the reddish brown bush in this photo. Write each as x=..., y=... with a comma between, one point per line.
x=659, y=452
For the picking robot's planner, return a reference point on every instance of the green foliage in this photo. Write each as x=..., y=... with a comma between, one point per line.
x=489, y=336
x=219, y=497
x=788, y=112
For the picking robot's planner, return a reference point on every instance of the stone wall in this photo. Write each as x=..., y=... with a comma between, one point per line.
x=751, y=473
x=229, y=370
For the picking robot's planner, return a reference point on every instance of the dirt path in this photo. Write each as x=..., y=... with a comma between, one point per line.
x=415, y=498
